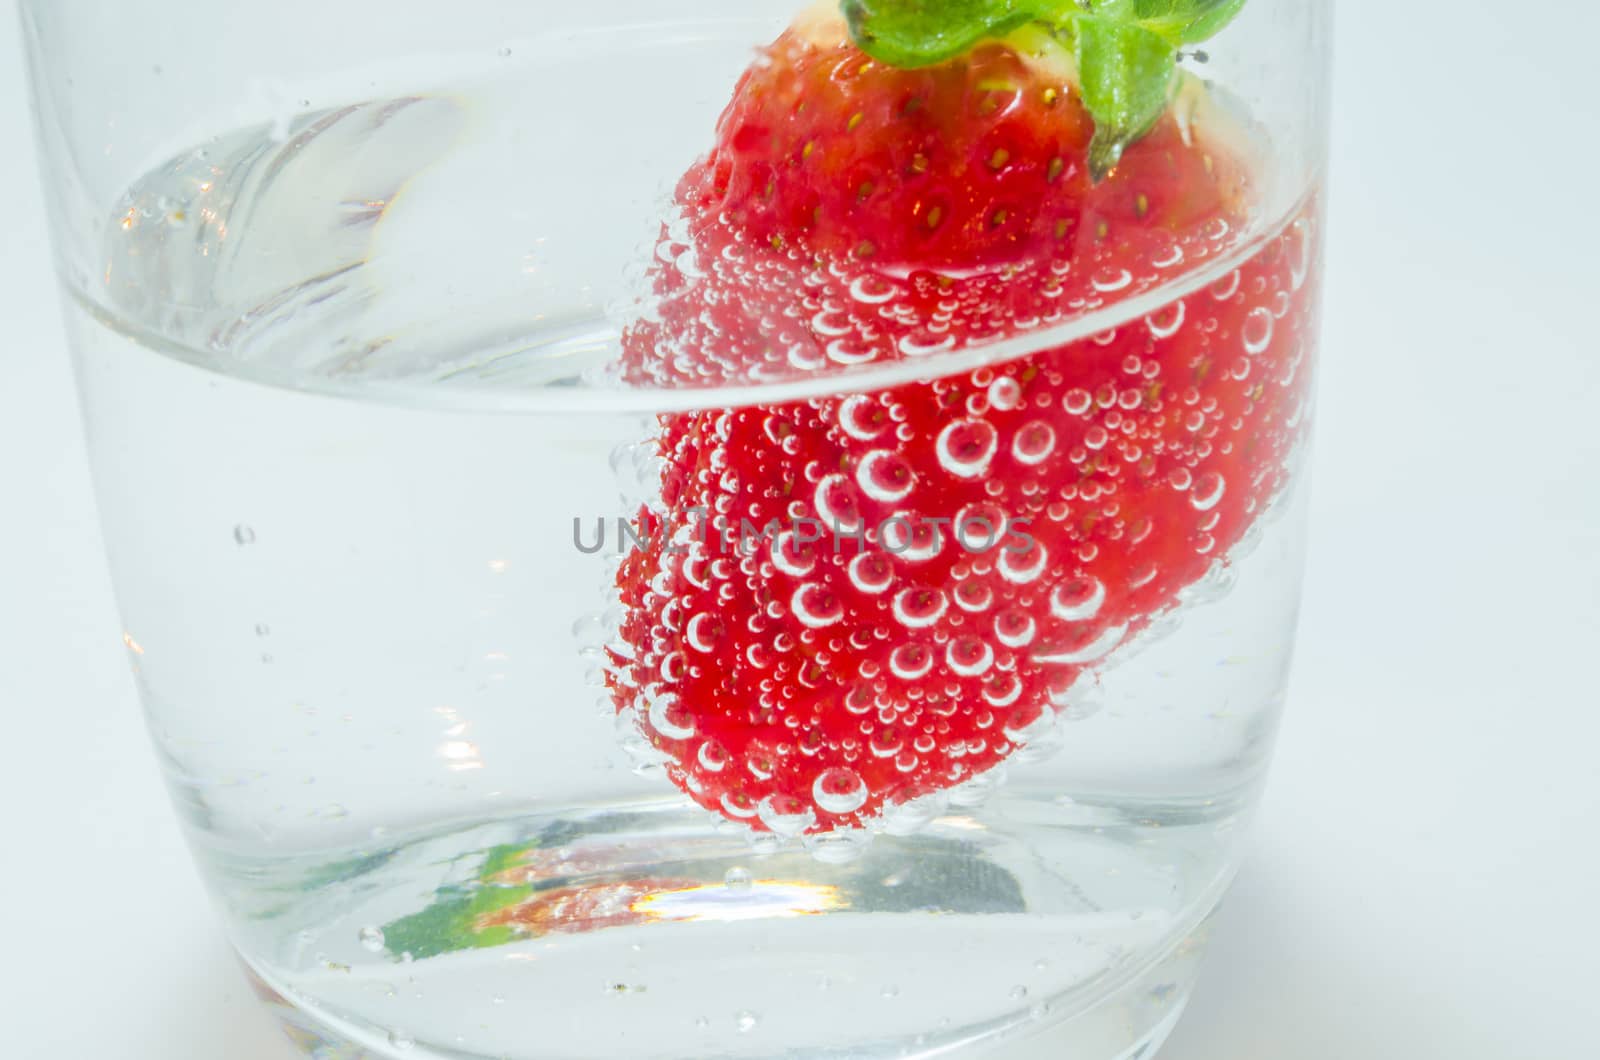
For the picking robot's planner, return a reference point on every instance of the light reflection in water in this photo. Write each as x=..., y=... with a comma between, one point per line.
x=762, y=900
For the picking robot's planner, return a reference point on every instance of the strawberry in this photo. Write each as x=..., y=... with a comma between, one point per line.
x=846, y=603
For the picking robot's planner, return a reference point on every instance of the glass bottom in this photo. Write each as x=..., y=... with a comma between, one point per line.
x=649, y=931
x=1129, y=1023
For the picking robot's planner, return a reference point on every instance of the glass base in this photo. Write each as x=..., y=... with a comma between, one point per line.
x=1129, y=1022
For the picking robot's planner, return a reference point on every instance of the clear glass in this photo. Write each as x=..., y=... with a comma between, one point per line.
x=379, y=321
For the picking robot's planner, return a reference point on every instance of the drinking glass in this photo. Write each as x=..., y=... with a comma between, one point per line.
x=587, y=605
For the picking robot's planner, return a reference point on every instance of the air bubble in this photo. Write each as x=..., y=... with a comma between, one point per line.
x=968, y=656
x=590, y=631
x=886, y=743
x=1300, y=261
x=1226, y=287
x=688, y=264
x=872, y=290
x=791, y=556
x=973, y=597
x=1208, y=490
x=885, y=476
x=836, y=505
x=737, y=879
x=712, y=758
x=839, y=791
x=1022, y=567
x=1108, y=280
x=911, y=662
x=763, y=844
x=976, y=791
x=1034, y=443
x=871, y=573
x=1077, y=600
x=372, y=939
x=1173, y=256
x=701, y=633
x=670, y=719
x=925, y=346
x=915, y=814
x=848, y=352
x=838, y=847
x=785, y=815
x=1165, y=323
x=816, y=607
x=966, y=447
x=1003, y=691
x=830, y=324
x=1257, y=331
x=647, y=761
x=1217, y=583
x=1078, y=654
x=1039, y=740
x=1005, y=393
x=746, y=1022
x=919, y=608
x=399, y=1039
x=244, y=535
x=913, y=542
x=1015, y=629
x=862, y=418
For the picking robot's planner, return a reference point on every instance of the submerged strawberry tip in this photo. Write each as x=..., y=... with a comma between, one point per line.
x=847, y=604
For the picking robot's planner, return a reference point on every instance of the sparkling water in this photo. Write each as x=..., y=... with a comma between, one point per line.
x=347, y=390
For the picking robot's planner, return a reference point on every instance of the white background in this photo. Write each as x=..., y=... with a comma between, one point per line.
x=1426, y=871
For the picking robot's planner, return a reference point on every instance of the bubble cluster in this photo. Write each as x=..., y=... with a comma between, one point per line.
x=853, y=611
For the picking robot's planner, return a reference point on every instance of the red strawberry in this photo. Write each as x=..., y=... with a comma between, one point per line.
x=803, y=685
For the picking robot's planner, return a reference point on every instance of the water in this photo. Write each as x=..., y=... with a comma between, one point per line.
x=340, y=455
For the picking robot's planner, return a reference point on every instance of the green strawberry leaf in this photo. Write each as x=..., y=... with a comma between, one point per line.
x=1125, y=73
x=913, y=33
x=1186, y=21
